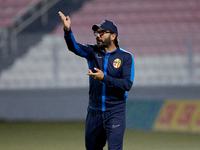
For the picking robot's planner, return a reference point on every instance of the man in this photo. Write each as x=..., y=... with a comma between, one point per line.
x=111, y=72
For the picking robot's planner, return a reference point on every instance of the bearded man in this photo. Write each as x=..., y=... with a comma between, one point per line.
x=111, y=75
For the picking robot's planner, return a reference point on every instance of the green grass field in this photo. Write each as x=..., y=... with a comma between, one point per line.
x=70, y=136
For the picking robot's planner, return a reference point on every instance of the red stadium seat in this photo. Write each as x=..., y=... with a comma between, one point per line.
x=10, y=8
x=151, y=24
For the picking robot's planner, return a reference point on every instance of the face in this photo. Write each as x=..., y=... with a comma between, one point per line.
x=103, y=38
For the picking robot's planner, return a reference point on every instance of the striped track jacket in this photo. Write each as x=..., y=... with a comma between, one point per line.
x=118, y=68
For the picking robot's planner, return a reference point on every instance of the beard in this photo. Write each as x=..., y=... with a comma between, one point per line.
x=102, y=44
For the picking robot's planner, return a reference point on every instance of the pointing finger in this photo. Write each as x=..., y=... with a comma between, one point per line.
x=61, y=15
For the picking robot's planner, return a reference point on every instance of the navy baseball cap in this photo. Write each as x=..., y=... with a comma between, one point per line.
x=106, y=25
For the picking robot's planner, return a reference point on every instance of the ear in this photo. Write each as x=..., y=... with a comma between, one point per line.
x=113, y=36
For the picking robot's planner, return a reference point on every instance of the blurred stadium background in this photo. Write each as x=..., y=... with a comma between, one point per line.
x=40, y=80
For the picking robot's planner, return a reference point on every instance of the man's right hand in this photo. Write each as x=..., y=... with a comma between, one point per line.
x=66, y=20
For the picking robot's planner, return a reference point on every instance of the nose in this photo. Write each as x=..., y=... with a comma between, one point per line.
x=98, y=35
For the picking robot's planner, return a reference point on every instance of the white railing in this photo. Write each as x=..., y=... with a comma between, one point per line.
x=36, y=13
x=8, y=36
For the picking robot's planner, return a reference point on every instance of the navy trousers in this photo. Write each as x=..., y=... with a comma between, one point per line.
x=102, y=126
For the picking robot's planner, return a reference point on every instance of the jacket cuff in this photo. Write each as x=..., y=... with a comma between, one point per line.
x=66, y=32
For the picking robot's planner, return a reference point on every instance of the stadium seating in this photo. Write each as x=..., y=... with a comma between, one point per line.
x=37, y=69
x=156, y=32
x=10, y=8
x=167, y=22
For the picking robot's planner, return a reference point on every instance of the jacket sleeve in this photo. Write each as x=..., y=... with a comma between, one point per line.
x=126, y=81
x=77, y=48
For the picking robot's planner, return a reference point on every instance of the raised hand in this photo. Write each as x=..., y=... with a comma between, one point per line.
x=97, y=75
x=66, y=20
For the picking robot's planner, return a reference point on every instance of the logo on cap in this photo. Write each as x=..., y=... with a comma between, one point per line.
x=103, y=22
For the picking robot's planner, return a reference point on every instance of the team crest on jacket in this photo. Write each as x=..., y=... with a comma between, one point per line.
x=117, y=63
